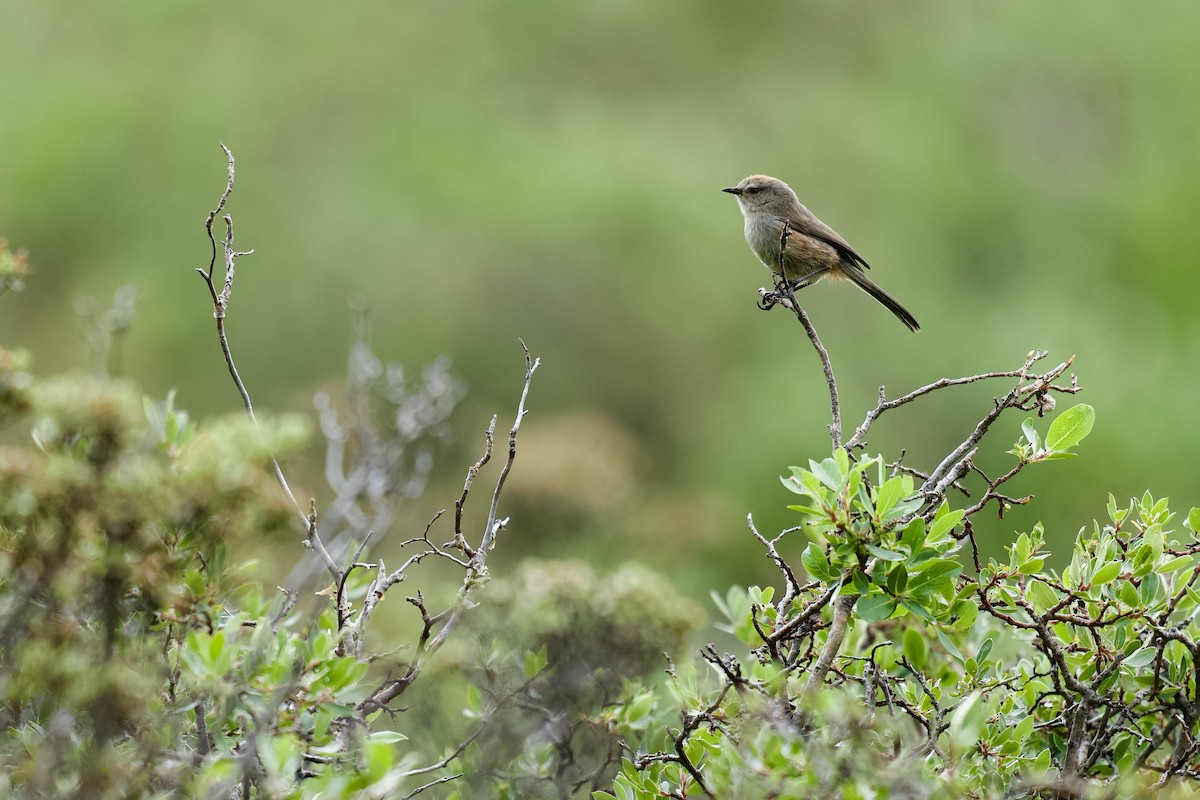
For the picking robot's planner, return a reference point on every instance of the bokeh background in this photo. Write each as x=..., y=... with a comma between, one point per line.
x=1020, y=175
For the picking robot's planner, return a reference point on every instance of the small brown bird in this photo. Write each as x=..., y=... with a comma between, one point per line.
x=811, y=250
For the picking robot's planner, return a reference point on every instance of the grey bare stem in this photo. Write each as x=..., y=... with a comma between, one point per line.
x=956, y=464
x=476, y=564
x=788, y=298
x=835, y=408
x=489, y=532
x=220, y=307
x=833, y=641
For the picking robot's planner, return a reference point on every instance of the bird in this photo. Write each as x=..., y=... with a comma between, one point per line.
x=811, y=250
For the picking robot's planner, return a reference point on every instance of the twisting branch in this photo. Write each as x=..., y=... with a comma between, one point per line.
x=1026, y=390
x=491, y=529
x=784, y=295
x=220, y=307
x=476, y=565
x=477, y=569
x=793, y=584
x=833, y=641
x=221, y=299
x=377, y=444
x=1021, y=394
x=460, y=541
x=380, y=465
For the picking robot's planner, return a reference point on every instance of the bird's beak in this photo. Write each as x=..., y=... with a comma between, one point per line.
x=732, y=190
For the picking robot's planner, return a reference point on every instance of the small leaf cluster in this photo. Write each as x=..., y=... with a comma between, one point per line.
x=865, y=530
x=14, y=268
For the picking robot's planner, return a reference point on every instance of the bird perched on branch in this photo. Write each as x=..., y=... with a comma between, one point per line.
x=789, y=239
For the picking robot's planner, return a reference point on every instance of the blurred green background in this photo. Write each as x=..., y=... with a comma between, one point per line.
x=1020, y=175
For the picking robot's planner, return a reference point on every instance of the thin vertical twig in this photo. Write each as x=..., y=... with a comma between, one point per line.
x=220, y=307
x=785, y=296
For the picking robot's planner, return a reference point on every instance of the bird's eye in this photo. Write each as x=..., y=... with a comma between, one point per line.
x=753, y=189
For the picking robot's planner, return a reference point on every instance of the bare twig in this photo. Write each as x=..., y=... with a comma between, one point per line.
x=793, y=584
x=430, y=785
x=476, y=567
x=460, y=540
x=490, y=530
x=220, y=306
x=784, y=295
x=957, y=463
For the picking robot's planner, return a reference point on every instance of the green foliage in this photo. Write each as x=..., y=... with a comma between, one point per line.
x=138, y=659
x=1040, y=121
x=110, y=546
x=14, y=268
x=136, y=655
x=560, y=666
x=865, y=532
x=1016, y=681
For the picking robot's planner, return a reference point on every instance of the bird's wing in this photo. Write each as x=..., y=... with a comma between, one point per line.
x=819, y=230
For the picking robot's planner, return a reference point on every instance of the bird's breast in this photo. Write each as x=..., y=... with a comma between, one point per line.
x=762, y=234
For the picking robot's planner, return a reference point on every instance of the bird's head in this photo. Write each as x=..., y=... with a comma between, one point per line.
x=764, y=193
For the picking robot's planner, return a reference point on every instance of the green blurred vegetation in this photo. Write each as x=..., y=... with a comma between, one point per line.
x=1020, y=175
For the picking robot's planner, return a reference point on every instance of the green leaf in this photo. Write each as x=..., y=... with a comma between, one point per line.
x=1070, y=427
x=793, y=484
x=966, y=721
x=951, y=648
x=888, y=494
x=862, y=583
x=1033, y=566
x=535, y=662
x=945, y=523
x=816, y=564
x=1141, y=658
x=914, y=535
x=843, y=461
x=1022, y=547
x=1041, y=596
x=917, y=608
x=474, y=699
x=388, y=737
x=933, y=574
x=1176, y=564
x=1024, y=728
x=884, y=554
x=1106, y=573
x=1149, y=589
x=827, y=473
x=962, y=615
x=915, y=648
x=1193, y=520
x=874, y=607
x=1031, y=434
x=815, y=512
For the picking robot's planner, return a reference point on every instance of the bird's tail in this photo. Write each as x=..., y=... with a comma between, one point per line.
x=870, y=287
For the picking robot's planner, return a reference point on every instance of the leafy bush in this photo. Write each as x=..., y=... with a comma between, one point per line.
x=138, y=658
